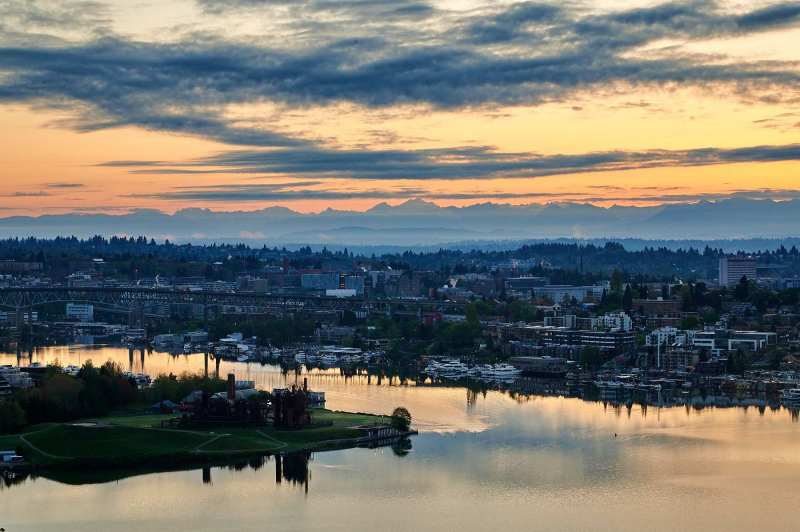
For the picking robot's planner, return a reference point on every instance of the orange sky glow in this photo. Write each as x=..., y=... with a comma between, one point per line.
x=116, y=145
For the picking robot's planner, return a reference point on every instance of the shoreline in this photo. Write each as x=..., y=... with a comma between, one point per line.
x=134, y=442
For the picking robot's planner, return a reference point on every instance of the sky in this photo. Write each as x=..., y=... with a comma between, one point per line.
x=111, y=106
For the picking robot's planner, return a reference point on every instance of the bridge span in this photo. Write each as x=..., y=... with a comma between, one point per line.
x=134, y=299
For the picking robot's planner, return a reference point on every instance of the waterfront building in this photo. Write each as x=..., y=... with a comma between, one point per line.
x=540, y=365
x=616, y=341
x=722, y=340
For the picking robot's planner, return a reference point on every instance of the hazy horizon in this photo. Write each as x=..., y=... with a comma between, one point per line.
x=419, y=223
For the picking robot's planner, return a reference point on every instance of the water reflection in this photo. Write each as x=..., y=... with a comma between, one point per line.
x=374, y=391
x=290, y=468
x=518, y=459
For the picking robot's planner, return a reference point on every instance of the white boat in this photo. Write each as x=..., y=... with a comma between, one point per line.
x=505, y=371
x=243, y=358
x=329, y=359
x=300, y=358
x=451, y=368
x=72, y=370
x=187, y=348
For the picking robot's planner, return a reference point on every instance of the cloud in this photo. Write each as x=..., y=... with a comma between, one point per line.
x=268, y=192
x=261, y=193
x=522, y=53
x=183, y=86
x=61, y=185
x=299, y=190
x=361, y=9
x=32, y=194
x=452, y=163
x=38, y=21
x=778, y=15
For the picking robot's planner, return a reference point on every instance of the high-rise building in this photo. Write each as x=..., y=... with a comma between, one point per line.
x=732, y=269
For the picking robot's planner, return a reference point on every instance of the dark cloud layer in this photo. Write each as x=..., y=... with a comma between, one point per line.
x=179, y=87
x=455, y=163
x=63, y=185
x=361, y=9
x=524, y=53
x=298, y=191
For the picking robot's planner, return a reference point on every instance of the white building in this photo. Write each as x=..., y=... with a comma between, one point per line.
x=80, y=312
x=732, y=269
x=668, y=336
x=614, y=321
x=722, y=340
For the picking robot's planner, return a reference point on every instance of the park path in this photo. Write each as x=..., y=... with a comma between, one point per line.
x=210, y=440
x=281, y=444
x=26, y=441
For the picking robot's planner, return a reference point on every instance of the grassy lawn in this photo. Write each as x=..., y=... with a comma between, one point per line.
x=9, y=442
x=268, y=439
x=113, y=442
x=131, y=439
x=142, y=421
x=320, y=415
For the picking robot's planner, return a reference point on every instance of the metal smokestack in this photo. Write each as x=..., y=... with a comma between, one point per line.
x=231, y=387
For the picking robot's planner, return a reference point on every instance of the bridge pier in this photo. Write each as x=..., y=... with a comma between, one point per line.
x=205, y=363
x=216, y=362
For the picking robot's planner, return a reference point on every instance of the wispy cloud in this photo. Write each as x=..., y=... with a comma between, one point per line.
x=31, y=194
x=455, y=163
x=315, y=190
x=64, y=185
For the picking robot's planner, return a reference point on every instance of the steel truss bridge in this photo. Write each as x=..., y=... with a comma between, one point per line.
x=136, y=299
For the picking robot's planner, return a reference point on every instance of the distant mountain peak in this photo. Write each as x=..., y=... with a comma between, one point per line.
x=421, y=222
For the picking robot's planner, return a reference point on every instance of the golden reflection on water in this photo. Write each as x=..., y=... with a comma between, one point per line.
x=434, y=407
x=484, y=461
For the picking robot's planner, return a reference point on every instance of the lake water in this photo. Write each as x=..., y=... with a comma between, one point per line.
x=481, y=462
